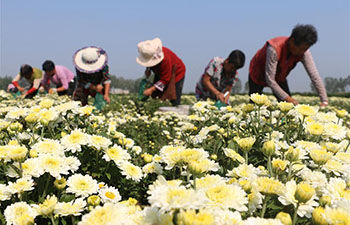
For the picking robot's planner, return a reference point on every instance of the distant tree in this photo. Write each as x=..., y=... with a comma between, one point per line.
x=4, y=82
x=335, y=85
x=237, y=87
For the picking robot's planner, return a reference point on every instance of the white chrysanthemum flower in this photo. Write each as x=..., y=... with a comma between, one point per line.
x=136, y=149
x=75, y=207
x=72, y=162
x=209, y=181
x=18, y=209
x=75, y=140
x=261, y=221
x=334, y=166
x=152, y=167
x=85, y=110
x=48, y=206
x=170, y=155
x=255, y=200
x=336, y=189
x=99, y=142
x=117, y=154
x=337, y=215
x=287, y=197
x=244, y=171
x=306, y=110
x=315, y=178
x=54, y=165
x=176, y=197
x=116, y=214
x=131, y=171
x=329, y=117
x=21, y=185
x=32, y=167
x=81, y=185
x=109, y=194
x=16, y=113
x=5, y=193
x=227, y=217
x=63, y=108
x=16, y=152
x=49, y=146
x=334, y=131
x=46, y=103
x=47, y=115
x=227, y=196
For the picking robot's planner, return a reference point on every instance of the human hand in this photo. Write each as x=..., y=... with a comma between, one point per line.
x=220, y=96
x=292, y=100
x=20, y=89
x=106, y=97
x=52, y=90
x=149, y=91
x=324, y=104
x=23, y=96
x=99, y=88
x=41, y=89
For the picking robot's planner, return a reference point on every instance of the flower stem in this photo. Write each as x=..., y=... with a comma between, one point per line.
x=52, y=219
x=264, y=206
x=295, y=216
x=246, y=157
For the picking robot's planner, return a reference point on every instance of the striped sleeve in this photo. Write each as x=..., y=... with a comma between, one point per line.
x=312, y=71
x=270, y=73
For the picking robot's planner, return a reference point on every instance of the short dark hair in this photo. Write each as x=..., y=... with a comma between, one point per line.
x=304, y=34
x=26, y=70
x=237, y=58
x=48, y=65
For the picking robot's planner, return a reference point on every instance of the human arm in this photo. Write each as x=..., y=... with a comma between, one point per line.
x=106, y=90
x=15, y=83
x=270, y=76
x=211, y=88
x=35, y=87
x=312, y=71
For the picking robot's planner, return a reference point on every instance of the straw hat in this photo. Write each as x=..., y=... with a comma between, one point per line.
x=150, y=52
x=90, y=59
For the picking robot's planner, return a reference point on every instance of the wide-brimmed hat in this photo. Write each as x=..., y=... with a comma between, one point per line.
x=150, y=52
x=90, y=59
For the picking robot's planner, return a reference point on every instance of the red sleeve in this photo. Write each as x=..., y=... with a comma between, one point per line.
x=31, y=91
x=15, y=83
x=165, y=70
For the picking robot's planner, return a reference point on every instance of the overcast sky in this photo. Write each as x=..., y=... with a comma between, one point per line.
x=33, y=31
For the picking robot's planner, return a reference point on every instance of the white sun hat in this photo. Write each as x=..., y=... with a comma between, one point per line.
x=150, y=52
x=90, y=59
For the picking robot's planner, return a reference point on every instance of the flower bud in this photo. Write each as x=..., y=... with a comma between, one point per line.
x=279, y=165
x=318, y=216
x=325, y=200
x=269, y=148
x=214, y=157
x=304, y=192
x=284, y=218
x=248, y=108
x=94, y=200
x=33, y=153
x=246, y=185
x=292, y=155
x=148, y=158
x=60, y=183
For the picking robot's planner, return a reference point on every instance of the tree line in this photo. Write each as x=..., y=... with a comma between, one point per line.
x=333, y=85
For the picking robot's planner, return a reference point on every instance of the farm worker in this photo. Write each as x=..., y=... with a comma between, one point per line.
x=272, y=63
x=219, y=77
x=29, y=75
x=168, y=68
x=60, y=76
x=92, y=74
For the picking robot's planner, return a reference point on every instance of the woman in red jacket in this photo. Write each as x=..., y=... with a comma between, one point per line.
x=273, y=62
x=165, y=64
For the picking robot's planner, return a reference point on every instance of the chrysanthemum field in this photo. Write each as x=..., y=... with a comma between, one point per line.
x=248, y=163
